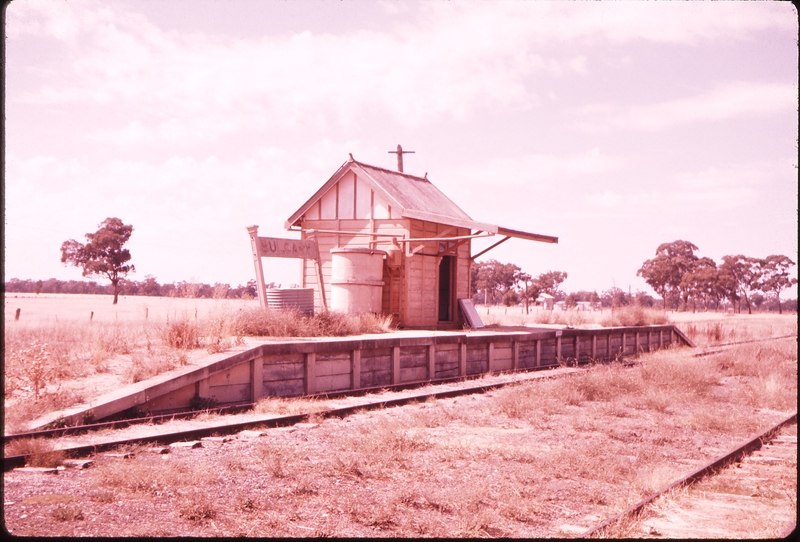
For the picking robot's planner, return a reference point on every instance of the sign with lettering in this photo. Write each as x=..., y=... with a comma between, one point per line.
x=272, y=247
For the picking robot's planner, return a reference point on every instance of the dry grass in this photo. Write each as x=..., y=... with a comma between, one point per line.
x=41, y=354
x=40, y=450
x=286, y=407
x=260, y=323
x=620, y=316
x=518, y=461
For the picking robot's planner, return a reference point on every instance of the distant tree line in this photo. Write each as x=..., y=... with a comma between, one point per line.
x=149, y=287
x=684, y=281
x=496, y=283
x=681, y=277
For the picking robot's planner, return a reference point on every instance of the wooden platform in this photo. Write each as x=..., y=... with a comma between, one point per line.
x=300, y=367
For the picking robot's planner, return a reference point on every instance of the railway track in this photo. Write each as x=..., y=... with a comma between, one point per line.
x=403, y=394
x=343, y=406
x=698, y=514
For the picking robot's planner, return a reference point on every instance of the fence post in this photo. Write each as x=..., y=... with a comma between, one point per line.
x=311, y=360
x=16, y=315
x=514, y=355
x=355, y=369
x=395, y=365
x=558, y=347
x=431, y=361
x=594, y=346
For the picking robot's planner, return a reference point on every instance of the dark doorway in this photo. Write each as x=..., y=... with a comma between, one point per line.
x=446, y=282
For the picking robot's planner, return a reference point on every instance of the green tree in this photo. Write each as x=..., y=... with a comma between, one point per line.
x=550, y=281
x=103, y=254
x=775, y=276
x=494, y=279
x=665, y=272
x=700, y=282
x=742, y=273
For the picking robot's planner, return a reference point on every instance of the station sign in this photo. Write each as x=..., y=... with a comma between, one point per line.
x=272, y=247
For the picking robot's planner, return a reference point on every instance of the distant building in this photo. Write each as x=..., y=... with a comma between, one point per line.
x=546, y=301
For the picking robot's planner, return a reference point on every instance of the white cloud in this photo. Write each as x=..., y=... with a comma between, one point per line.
x=726, y=101
x=721, y=188
x=455, y=59
x=537, y=170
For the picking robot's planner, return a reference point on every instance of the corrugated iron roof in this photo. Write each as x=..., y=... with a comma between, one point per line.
x=412, y=197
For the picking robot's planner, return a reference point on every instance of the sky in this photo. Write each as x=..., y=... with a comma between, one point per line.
x=615, y=126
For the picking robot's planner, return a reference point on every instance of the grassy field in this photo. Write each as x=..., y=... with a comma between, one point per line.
x=704, y=328
x=65, y=349
x=43, y=309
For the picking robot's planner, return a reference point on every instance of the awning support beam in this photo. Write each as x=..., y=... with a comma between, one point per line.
x=482, y=252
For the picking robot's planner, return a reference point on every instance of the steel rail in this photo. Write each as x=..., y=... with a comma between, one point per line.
x=723, y=345
x=160, y=418
x=759, y=340
x=747, y=448
x=12, y=462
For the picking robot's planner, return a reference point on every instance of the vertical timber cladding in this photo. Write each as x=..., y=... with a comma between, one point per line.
x=422, y=273
x=352, y=206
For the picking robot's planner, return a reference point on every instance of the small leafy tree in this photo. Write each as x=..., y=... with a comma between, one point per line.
x=550, y=281
x=775, y=276
x=103, y=254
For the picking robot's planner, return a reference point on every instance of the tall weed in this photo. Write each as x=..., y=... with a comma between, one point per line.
x=635, y=315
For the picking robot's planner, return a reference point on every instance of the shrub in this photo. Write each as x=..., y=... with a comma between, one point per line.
x=181, y=334
x=67, y=513
x=289, y=323
x=197, y=507
x=635, y=315
x=39, y=450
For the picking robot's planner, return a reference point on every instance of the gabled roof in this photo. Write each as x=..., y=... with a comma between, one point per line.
x=411, y=197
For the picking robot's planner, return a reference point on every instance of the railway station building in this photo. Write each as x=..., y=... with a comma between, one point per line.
x=392, y=243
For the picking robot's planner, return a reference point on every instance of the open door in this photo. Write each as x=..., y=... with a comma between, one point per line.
x=447, y=282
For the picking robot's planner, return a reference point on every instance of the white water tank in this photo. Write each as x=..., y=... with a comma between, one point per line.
x=356, y=279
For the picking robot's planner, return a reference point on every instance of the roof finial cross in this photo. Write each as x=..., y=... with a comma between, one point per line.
x=400, y=152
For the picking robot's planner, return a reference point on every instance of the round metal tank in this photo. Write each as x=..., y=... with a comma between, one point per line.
x=356, y=279
x=301, y=299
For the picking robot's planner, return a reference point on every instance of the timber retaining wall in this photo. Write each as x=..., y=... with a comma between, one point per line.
x=342, y=365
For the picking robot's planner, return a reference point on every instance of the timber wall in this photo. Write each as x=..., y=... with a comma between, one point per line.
x=293, y=369
x=343, y=365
